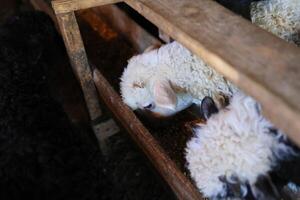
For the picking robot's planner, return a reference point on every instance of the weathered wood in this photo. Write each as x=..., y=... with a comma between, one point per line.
x=167, y=168
x=65, y=6
x=261, y=64
x=76, y=51
x=120, y=22
x=98, y=24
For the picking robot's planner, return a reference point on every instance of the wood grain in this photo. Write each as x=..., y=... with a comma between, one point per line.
x=165, y=166
x=261, y=64
x=64, y=6
x=76, y=51
x=119, y=21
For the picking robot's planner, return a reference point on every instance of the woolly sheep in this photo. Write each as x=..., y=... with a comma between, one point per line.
x=280, y=17
x=169, y=79
x=232, y=154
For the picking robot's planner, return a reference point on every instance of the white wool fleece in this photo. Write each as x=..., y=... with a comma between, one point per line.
x=234, y=142
x=176, y=64
x=280, y=17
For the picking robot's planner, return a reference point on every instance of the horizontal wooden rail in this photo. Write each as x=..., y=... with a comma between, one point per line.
x=167, y=168
x=261, y=64
x=65, y=6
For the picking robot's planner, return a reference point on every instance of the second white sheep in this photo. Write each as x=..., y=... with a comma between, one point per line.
x=280, y=17
x=169, y=79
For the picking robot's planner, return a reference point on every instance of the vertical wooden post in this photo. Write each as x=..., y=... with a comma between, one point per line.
x=78, y=58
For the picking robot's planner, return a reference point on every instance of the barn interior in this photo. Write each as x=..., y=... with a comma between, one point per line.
x=122, y=167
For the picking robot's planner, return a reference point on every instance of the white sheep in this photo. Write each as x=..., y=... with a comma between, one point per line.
x=280, y=17
x=234, y=151
x=169, y=79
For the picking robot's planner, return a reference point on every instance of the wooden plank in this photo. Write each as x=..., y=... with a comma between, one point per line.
x=182, y=187
x=65, y=6
x=120, y=22
x=261, y=64
x=76, y=51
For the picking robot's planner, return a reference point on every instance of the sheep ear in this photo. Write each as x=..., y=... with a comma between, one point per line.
x=208, y=107
x=164, y=95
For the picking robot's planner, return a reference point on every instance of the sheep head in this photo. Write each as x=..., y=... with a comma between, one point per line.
x=155, y=94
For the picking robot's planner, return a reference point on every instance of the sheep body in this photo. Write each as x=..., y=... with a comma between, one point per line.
x=186, y=72
x=236, y=142
x=280, y=17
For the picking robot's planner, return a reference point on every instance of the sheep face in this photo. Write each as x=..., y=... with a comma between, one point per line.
x=143, y=89
x=157, y=96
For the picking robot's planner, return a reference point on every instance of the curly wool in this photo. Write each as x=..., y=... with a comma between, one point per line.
x=280, y=17
x=177, y=64
x=235, y=142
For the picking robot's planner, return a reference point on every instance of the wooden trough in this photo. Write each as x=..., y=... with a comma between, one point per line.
x=261, y=64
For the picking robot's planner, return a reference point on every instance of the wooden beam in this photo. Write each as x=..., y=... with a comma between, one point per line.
x=65, y=6
x=76, y=51
x=261, y=64
x=119, y=21
x=180, y=184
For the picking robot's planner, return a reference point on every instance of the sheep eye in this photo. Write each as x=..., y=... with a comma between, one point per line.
x=149, y=106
